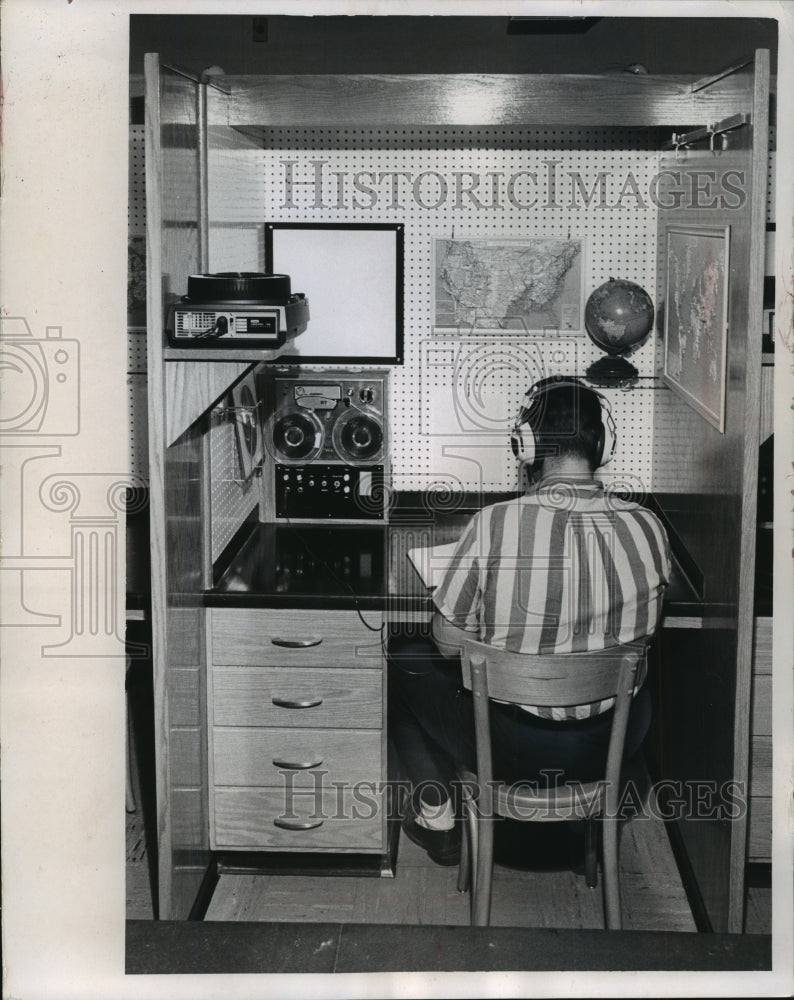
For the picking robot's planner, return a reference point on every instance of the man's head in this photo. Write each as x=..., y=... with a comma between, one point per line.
x=562, y=418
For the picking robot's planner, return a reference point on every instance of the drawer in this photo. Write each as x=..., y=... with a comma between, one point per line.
x=265, y=819
x=300, y=697
x=277, y=637
x=277, y=757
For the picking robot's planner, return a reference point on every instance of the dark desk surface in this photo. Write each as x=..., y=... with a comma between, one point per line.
x=342, y=566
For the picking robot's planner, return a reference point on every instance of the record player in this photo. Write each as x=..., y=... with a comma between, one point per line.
x=237, y=309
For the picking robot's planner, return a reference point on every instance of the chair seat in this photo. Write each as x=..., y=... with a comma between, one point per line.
x=554, y=804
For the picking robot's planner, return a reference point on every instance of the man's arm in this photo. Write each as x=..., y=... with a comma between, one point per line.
x=457, y=597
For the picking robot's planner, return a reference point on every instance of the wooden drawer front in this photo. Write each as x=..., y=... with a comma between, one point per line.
x=273, y=757
x=761, y=765
x=247, y=818
x=762, y=705
x=333, y=698
x=257, y=637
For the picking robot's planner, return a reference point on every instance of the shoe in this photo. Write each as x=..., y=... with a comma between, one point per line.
x=442, y=846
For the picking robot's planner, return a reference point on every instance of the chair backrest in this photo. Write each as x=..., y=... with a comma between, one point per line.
x=558, y=679
x=551, y=679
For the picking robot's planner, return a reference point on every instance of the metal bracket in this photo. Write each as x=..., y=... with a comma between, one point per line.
x=710, y=132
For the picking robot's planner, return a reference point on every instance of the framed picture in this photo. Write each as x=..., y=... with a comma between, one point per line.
x=534, y=284
x=696, y=317
x=352, y=276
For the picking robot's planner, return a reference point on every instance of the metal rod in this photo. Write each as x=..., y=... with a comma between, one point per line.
x=203, y=196
x=195, y=79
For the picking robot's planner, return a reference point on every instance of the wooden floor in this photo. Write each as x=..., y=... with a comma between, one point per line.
x=653, y=897
x=424, y=893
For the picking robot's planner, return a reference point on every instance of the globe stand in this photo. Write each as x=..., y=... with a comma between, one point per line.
x=612, y=371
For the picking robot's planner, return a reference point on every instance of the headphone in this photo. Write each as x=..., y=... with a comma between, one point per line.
x=524, y=435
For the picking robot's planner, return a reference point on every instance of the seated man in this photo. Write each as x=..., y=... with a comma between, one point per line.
x=564, y=567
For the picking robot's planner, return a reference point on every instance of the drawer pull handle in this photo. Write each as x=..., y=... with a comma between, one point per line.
x=296, y=643
x=293, y=765
x=306, y=824
x=297, y=702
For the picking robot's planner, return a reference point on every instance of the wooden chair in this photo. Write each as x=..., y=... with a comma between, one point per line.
x=543, y=680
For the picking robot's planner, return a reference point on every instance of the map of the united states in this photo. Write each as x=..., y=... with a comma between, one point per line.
x=530, y=284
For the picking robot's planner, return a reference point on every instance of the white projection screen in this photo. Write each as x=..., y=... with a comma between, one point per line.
x=352, y=276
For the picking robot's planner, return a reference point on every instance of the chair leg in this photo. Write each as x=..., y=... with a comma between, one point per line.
x=591, y=852
x=464, y=871
x=611, y=883
x=483, y=873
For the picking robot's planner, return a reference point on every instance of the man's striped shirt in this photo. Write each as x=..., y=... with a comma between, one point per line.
x=565, y=568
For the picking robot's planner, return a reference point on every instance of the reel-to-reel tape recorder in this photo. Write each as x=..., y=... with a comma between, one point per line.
x=327, y=434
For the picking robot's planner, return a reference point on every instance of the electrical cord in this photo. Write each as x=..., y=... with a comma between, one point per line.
x=218, y=329
x=313, y=555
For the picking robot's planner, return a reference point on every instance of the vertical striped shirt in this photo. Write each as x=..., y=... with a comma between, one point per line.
x=565, y=568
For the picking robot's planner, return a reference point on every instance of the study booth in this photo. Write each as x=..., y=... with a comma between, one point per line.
x=325, y=395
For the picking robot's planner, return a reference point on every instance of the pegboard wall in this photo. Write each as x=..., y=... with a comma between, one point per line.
x=136, y=403
x=136, y=338
x=454, y=399
x=136, y=206
x=439, y=433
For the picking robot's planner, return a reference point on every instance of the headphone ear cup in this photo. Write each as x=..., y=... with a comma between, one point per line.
x=522, y=441
x=609, y=437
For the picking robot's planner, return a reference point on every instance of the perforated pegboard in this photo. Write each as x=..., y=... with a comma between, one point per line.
x=136, y=351
x=136, y=403
x=136, y=211
x=231, y=498
x=139, y=435
x=771, y=185
x=619, y=234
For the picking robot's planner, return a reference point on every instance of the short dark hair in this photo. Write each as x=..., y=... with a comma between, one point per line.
x=567, y=421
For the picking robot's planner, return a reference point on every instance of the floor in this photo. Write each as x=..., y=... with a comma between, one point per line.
x=423, y=893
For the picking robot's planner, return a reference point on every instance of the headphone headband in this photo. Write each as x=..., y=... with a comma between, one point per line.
x=524, y=437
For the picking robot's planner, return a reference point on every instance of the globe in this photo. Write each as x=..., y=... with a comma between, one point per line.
x=618, y=316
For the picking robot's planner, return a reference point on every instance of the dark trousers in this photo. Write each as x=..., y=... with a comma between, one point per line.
x=431, y=728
